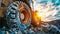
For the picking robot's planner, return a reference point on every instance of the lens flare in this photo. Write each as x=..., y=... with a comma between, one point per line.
x=47, y=11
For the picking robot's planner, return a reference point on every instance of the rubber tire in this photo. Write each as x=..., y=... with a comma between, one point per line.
x=13, y=11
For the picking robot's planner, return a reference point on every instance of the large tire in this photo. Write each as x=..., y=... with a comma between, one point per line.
x=13, y=15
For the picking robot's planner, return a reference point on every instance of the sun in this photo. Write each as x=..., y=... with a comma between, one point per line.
x=44, y=11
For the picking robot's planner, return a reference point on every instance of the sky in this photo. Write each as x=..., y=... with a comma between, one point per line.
x=49, y=9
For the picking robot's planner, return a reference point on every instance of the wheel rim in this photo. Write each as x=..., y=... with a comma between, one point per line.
x=24, y=15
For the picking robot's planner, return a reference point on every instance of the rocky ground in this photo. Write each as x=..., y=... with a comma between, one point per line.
x=47, y=28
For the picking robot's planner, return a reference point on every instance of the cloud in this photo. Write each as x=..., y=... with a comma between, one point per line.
x=49, y=11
